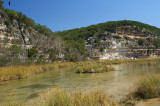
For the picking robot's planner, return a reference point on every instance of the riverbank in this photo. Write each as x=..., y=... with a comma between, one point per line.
x=146, y=91
x=20, y=72
x=78, y=97
x=116, y=84
x=61, y=97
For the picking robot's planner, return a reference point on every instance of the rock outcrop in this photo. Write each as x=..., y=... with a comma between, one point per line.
x=124, y=43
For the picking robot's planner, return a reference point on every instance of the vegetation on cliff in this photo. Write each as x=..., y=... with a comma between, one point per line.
x=79, y=35
x=44, y=46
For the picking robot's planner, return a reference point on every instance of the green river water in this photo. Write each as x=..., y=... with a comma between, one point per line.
x=116, y=83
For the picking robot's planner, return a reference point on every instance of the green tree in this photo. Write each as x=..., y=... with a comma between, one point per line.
x=156, y=42
x=15, y=49
x=97, y=41
x=141, y=42
x=43, y=29
x=32, y=53
x=12, y=14
x=1, y=4
x=101, y=49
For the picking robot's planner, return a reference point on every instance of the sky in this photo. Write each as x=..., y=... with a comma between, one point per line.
x=59, y=15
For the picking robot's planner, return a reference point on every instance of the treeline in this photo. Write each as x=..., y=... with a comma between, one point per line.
x=23, y=20
x=28, y=22
x=85, y=32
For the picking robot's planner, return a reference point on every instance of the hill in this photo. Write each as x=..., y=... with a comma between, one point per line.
x=22, y=41
x=96, y=38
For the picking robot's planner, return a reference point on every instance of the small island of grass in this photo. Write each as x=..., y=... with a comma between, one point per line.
x=94, y=69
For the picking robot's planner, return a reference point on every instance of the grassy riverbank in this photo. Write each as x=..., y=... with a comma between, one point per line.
x=59, y=97
x=19, y=72
x=147, y=87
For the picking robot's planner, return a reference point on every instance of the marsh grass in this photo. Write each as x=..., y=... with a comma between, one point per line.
x=93, y=69
x=19, y=72
x=59, y=97
x=148, y=87
x=11, y=101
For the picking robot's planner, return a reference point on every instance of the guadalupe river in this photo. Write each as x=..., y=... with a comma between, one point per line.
x=117, y=83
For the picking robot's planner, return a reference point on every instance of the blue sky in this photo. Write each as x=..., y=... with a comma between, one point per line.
x=61, y=15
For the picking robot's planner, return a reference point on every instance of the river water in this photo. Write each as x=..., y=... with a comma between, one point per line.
x=117, y=83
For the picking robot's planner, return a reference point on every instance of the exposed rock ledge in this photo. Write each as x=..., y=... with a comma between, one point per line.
x=113, y=56
x=117, y=56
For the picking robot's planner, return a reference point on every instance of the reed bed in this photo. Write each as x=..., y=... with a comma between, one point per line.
x=59, y=97
x=20, y=72
x=11, y=101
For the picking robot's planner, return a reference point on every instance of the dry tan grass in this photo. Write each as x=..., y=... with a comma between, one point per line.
x=19, y=72
x=59, y=97
x=148, y=87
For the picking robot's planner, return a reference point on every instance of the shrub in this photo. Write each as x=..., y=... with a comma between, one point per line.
x=156, y=42
x=117, y=37
x=148, y=87
x=32, y=53
x=15, y=49
x=101, y=49
x=141, y=42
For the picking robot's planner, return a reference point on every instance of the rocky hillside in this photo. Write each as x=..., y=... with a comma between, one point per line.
x=115, y=40
x=22, y=41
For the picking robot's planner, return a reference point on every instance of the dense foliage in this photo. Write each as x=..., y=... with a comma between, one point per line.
x=85, y=32
x=26, y=21
x=1, y=3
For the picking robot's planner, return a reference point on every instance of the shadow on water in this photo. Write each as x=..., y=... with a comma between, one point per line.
x=33, y=95
x=36, y=86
